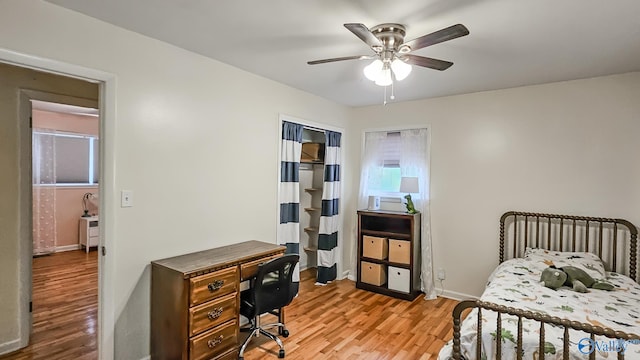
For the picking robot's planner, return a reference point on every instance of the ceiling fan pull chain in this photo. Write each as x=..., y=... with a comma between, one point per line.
x=384, y=102
x=392, y=91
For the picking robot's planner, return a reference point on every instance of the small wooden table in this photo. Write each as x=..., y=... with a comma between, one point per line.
x=195, y=300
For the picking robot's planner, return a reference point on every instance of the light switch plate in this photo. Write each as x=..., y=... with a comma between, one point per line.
x=126, y=199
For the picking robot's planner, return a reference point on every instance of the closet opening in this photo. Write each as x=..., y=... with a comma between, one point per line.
x=311, y=181
x=309, y=192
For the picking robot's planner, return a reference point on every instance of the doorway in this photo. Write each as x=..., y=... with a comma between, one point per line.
x=30, y=85
x=65, y=168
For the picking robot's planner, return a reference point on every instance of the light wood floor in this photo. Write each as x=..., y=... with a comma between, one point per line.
x=65, y=308
x=336, y=321
x=340, y=322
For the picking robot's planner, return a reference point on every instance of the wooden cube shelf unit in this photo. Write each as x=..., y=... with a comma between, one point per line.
x=389, y=247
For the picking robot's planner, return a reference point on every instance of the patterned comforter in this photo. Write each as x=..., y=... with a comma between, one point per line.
x=515, y=283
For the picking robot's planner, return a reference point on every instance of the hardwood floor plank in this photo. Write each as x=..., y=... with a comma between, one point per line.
x=338, y=321
x=65, y=308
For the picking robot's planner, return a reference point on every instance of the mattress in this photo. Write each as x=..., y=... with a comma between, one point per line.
x=515, y=283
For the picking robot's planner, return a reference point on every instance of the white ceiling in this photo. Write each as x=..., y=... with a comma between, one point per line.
x=511, y=43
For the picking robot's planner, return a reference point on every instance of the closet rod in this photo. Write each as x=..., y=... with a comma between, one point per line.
x=313, y=128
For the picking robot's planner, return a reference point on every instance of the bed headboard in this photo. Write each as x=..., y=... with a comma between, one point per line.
x=613, y=240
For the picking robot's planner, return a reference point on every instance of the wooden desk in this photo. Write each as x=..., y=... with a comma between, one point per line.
x=195, y=300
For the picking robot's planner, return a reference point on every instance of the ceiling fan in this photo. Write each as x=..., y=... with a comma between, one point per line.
x=393, y=54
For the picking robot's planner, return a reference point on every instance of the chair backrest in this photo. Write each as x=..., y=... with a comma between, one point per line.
x=272, y=287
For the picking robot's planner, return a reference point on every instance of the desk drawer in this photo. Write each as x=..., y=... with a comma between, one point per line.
x=206, y=287
x=214, y=342
x=213, y=313
x=250, y=269
x=94, y=231
x=93, y=241
x=231, y=355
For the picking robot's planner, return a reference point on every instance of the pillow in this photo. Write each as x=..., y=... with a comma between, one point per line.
x=586, y=261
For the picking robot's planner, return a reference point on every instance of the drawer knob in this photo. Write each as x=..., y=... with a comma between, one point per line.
x=215, y=313
x=216, y=285
x=214, y=342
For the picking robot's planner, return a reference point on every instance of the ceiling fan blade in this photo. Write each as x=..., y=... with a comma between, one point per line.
x=426, y=62
x=355, y=57
x=446, y=34
x=364, y=34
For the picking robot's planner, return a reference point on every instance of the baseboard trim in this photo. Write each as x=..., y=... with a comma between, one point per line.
x=10, y=346
x=454, y=295
x=67, y=248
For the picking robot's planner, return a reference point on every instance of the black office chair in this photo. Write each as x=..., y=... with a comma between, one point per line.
x=270, y=291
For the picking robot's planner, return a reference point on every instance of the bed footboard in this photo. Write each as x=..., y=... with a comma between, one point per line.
x=543, y=319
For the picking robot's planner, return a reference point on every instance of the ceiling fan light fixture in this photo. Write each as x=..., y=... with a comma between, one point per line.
x=372, y=71
x=404, y=49
x=384, y=77
x=400, y=69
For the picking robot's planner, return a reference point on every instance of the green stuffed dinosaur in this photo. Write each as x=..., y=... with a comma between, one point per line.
x=411, y=209
x=573, y=277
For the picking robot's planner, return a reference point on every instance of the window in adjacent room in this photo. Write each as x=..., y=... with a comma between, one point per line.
x=74, y=156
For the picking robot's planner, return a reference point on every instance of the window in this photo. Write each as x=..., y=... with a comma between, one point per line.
x=390, y=155
x=386, y=178
x=74, y=156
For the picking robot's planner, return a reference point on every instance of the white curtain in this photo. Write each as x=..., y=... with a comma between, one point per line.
x=44, y=191
x=414, y=162
x=413, y=159
x=372, y=162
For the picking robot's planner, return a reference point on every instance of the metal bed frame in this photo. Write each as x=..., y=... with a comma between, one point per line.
x=610, y=239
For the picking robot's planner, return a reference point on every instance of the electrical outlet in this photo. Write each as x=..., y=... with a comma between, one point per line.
x=441, y=274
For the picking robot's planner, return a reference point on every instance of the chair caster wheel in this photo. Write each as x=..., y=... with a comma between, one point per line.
x=281, y=354
x=285, y=333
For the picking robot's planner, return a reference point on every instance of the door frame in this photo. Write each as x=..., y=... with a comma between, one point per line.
x=106, y=185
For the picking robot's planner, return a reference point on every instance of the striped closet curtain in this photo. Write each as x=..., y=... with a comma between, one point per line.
x=329, y=218
x=289, y=227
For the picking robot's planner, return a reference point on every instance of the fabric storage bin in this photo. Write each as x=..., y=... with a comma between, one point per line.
x=312, y=152
x=400, y=251
x=399, y=279
x=374, y=274
x=375, y=247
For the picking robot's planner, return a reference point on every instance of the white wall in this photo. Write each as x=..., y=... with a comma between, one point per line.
x=194, y=139
x=569, y=147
